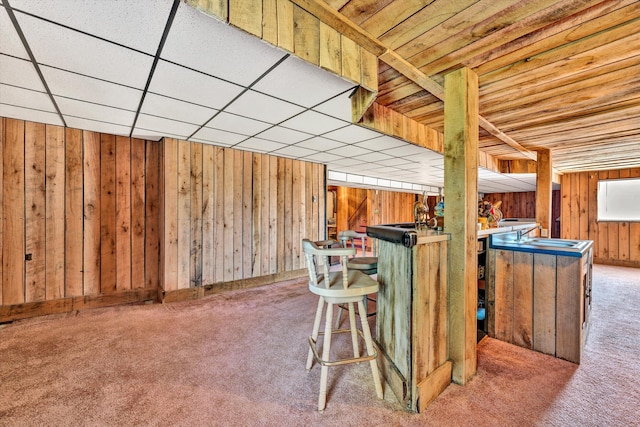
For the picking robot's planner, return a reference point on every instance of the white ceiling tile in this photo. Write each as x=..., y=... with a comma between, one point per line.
x=283, y=135
x=374, y=157
x=151, y=135
x=14, y=112
x=394, y=161
x=83, y=88
x=299, y=82
x=86, y=110
x=338, y=107
x=11, y=43
x=201, y=42
x=352, y=134
x=238, y=124
x=321, y=157
x=18, y=72
x=260, y=145
x=26, y=98
x=349, y=151
x=381, y=143
x=137, y=24
x=293, y=151
x=219, y=136
x=158, y=124
x=63, y=48
x=262, y=107
x=191, y=86
x=406, y=150
x=162, y=106
x=92, y=125
x=315, y=123
x=347, y=162
x=320, y=143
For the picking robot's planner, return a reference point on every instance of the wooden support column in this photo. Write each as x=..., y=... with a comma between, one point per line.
x=461, y=216
x=544, y=180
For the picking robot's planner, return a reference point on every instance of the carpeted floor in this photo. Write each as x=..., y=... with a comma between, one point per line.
x=237, y=359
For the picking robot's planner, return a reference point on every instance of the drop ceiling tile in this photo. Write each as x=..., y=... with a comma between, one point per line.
x=201, y=42
x=352, y=134
x=374, y=157
x=151, y=135
x=259, y=145
x=320, y=143
x=297, y=81
x=63, y=83
x=293, y=151
x=320, y=157
x=137, y=24
x=11, y=43
x=338, y=107
x=219, y=137
x=26, y=98
x=381, y=143
x=86, y=110
x=73, y=51
x=283, y=135
x=14, y=112
x=406, y=150
x=92, y=125
x=18, y=72
x=162, y=106
x=159, y=124
x=192, y=86
x=394, y=161
x=237, y=124
x=314, y=123
x=347, y=162
x=262, y=107
x=349, y=151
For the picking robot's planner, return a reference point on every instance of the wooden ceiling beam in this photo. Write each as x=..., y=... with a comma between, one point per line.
x=340, y=23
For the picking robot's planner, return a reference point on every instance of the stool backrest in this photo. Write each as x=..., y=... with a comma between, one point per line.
x=317, y=256
x=351, y=236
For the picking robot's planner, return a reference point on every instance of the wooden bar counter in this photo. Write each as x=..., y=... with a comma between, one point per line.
x=412, y=315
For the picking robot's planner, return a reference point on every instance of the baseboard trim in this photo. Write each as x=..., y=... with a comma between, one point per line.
x=232, y=285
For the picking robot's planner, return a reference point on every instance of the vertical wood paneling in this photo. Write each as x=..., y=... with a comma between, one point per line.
x=73, y=215
x=196, y=259
x=330, y=49
x=237, y=211
x=108, y=213
x=603, y=234
x=138, y=214
x=288, y=220
x=92, y=212
x=247, y=15
x=13, y=221
x=256, y=226
x=265, y=212
x=274, y=226
x=592, y=211
x=270, y=21
x=220, y=220
x=208, y=213
x=613, y=227
x=306, y=35
x=169, y=246
x=544, y=296
x=34, y=211
x=123, y=213
x=285, y=24
x=2, y=143
x=184, y=214
x=583, y=207
x=574, y=203
x=296, y=200
x=523, y=299
x=504, y=296
x=228, y=192
x=247, y=212
x=152, y=184
x=54, y=200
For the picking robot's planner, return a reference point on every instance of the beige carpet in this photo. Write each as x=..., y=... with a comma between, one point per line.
x=237, y=359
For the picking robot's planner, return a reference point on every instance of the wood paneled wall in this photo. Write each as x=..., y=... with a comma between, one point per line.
x=232, y=215
x=523, y=205
x=357, y=208
x=614, y=242
x=79, y=213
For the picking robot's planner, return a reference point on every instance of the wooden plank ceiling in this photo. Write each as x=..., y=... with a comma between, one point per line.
x=563, y=75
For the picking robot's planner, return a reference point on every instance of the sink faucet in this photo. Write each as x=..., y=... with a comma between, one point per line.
x=521, y=233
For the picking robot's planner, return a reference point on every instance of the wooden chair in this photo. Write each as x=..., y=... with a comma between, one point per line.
x=364, y=263
x=338, y=287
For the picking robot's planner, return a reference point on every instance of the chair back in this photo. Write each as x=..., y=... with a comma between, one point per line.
x=318, y=257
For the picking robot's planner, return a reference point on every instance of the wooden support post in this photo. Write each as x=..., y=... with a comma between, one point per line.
x=544, y=179
x=461, y=211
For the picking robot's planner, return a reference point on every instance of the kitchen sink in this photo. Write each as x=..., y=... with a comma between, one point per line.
x=539, y=244
x=552, y=242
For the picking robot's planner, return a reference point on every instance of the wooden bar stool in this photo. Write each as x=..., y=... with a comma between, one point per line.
x=338, y=287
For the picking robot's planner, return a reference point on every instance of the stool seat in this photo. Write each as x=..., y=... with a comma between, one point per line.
x=366, y=264
x=360, y=285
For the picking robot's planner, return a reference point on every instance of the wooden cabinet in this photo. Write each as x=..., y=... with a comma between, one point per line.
x=412, y=320
x=540, y=301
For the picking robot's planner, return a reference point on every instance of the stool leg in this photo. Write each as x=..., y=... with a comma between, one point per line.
x=367, y=338
x=339, y=318
x=316, y=329
x=324, y=371
x=354, y=330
